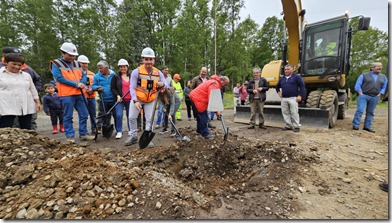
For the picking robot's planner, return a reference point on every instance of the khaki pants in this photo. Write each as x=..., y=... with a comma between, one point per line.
x=256, y=106
x=290, y=112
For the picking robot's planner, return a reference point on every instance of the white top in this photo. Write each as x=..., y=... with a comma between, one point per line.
x=17, y=93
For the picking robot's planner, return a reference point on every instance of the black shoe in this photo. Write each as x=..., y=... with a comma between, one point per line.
x=211, y=126
x=369, y=130
x=251, y=127
x=355, y=128
x=179, y=119
x=296, y=129
x=383, y=186
x=286, y=129
x=262, y=127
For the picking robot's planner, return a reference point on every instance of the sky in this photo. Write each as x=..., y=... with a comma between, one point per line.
x=317, y=10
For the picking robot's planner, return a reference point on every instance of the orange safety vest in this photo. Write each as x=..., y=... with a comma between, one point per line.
x=72, y=74
x=146, y=84
x=90, y=79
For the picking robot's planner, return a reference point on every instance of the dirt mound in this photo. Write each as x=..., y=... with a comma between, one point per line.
x=42, y=178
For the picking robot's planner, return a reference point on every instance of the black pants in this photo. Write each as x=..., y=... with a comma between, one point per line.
x=56, y=115
x=8, y=121
x=189, y=108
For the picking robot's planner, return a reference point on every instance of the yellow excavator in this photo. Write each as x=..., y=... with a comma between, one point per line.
x=321, y=54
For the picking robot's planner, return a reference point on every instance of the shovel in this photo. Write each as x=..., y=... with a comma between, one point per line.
x=225, y=129
x=179, y=136
x=91, y=115
x=110, y=110
x=107, y=130
x=147, y=136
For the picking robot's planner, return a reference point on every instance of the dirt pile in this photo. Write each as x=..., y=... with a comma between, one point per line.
x=42, y=178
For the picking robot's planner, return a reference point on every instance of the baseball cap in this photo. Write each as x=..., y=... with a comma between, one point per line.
x=10, y=50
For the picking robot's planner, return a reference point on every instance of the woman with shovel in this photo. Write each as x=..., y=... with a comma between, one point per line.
x=120, y=91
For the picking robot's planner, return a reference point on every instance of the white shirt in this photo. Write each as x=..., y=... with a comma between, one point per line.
x=17, y=93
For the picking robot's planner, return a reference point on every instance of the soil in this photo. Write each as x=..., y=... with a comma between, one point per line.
x=254, y=174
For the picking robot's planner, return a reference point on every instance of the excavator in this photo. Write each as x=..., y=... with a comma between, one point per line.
x=320, y=53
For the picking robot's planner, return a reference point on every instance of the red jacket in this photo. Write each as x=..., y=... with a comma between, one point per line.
x=201, y=94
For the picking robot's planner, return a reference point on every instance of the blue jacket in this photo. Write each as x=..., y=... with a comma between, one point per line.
x=292, y=86
x=101, y=80
x=51, y=103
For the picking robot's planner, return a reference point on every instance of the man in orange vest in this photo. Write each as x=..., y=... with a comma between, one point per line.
x=145, y=80
x=200, y=97
x=88, y=91
x=70, y=79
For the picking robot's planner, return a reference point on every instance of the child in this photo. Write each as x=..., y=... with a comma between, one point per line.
x=171, y=102
x=52, y=107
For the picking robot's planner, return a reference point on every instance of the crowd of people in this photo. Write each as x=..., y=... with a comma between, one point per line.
x=137, y=91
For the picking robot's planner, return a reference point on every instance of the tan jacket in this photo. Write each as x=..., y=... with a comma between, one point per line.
x=17, y=93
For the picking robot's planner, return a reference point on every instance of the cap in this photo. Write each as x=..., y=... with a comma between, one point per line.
x=246, y=82
x=122, y=62
x=148, y=52
x=176, y=76
x=83, y=59
x=69, y=48
x=10, y=50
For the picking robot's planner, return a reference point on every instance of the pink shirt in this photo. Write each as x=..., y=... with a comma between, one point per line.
x=125, y=89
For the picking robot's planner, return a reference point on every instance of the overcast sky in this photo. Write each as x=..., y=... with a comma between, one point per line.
x=317, y=10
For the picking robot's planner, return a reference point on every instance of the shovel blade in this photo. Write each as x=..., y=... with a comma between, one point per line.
x=107, y=131
x=226, y=133
x=145, y=139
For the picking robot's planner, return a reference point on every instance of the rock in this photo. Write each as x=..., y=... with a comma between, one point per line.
x=73, y=210
x=90, y=193
x=267, y=208
x=347, y=180
x=302, y=189
x=59, y=215
x=122, y=202
x=32, y=214
x=158, y=205
x=69, y=190
x=21, y=213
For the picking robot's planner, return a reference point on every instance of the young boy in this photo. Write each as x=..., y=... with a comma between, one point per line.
x=53, y=108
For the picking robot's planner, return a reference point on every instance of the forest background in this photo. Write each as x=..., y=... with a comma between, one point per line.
x=185, y=35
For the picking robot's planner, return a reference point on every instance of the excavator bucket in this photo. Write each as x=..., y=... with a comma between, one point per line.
x=309, y=117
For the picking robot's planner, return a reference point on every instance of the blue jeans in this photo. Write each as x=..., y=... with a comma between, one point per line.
x=119, y=115
x=69, y=103
x=202, y=121
x=160, y=115
x=370, y=102
x=92, y=106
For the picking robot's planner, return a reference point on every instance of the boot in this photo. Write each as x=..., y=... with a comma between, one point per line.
x=54, y=129
x=62, y=128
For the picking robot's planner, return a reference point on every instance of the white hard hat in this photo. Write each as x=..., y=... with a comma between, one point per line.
x=83, y=59
x=148, y=52
x=69, y=48
x=122, y=62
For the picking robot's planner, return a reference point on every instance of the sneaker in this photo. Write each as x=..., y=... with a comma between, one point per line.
x=163, y=131
x=251, y=127
x=286, y=129
x=355, y=128
x=173, y=133
x=262, y=127
x=71, y=139
x=86, y=138
x=118, y=135
x=209, y=136
x=131, y=140
x=150, y=145
x=211, y=126
x=369, y=130
x=157, y=126
x=383, y=186
x=296, y=130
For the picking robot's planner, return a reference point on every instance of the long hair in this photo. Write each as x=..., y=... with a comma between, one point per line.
x=166, y=96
